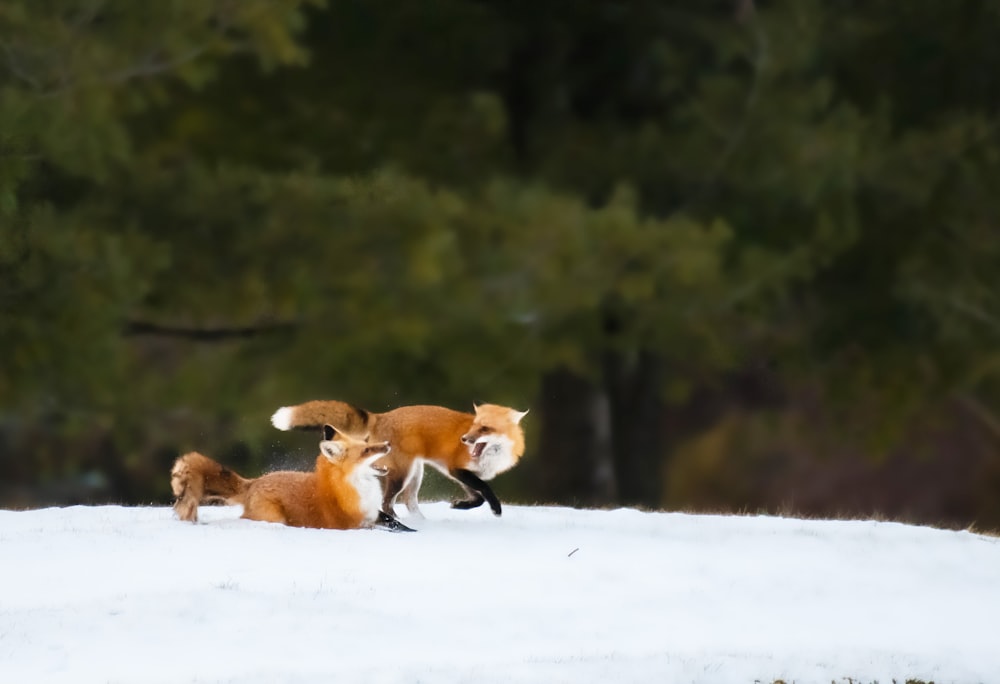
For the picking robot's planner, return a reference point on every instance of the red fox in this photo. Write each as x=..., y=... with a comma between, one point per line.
x=342, y=493
x=469, y=448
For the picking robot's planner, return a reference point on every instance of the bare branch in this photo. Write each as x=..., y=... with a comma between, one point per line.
x=89, y=14
x=745, y=10
x=753, y=93
x=973, y=311
x=15, y=67
x=137, y=328
x=146, y=67
x=745, y=14
x=980, y=412
x=151, y=67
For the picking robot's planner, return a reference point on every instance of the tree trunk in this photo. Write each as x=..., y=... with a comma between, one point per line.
x=636, y=408
x=574, y=442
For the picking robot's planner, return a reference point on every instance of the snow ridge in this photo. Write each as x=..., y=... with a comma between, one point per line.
x=541, y=594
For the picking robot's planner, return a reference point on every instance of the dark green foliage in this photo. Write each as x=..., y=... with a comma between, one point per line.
x=209, y=209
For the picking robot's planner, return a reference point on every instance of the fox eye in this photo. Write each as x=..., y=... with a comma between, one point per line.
x=483, y=430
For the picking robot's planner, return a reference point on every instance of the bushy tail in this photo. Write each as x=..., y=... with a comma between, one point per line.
x=196, y=478
x=313, y=415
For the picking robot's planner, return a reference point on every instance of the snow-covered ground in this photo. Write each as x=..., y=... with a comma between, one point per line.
x=113, y=594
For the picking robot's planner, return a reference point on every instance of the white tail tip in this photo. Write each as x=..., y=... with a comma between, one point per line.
x=282, y=418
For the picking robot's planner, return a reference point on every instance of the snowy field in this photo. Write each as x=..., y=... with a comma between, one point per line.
x=113, y=594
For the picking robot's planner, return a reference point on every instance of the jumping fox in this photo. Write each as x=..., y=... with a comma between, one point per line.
x=467, y=447
x=342, y=493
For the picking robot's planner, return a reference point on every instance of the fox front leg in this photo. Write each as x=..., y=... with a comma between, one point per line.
x=388, y=522
x=392, y=485
x=473, y=501
x=479, y=490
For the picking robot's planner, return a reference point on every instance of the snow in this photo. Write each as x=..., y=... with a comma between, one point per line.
x=543, y=594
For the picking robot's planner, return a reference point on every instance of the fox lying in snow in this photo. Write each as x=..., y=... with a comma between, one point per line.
x=342, y=493
x=469, y=448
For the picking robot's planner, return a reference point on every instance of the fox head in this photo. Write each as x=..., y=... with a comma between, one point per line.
x=340, y=448
x=495, y=439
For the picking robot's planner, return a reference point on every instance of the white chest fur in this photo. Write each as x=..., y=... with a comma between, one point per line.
x=369, y=489
x=497, y=457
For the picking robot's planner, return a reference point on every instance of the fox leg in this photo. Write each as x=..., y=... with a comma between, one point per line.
x=195, y=479
x=188, y=486
x=479, y=491
x=412, y=488
x=393, y=484
x=390, y=523
x=473, y=500
x=265, y=511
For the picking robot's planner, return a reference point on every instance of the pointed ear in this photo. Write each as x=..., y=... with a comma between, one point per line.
x=516, y=416
x=329, y=432
x=475, y=406
x=332, y=450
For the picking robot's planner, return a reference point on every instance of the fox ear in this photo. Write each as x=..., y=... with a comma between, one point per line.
x=332, y=450
x=329, y=432
x=516, y=416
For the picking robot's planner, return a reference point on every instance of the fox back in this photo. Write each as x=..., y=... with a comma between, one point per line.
x=433, y=433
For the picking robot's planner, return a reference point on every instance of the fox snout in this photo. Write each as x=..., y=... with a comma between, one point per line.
x=373, y=453
x=475, y=444
x=379, y=448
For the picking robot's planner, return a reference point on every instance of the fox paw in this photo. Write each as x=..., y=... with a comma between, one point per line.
x=186, y=509
x=390, y=523
x=186, y=504
x=466, y=504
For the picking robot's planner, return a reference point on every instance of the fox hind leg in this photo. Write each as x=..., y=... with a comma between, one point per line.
x=265, y=510
x=411, y=489
x=188, y=486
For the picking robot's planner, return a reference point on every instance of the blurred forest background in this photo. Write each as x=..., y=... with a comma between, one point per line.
x=734, y=255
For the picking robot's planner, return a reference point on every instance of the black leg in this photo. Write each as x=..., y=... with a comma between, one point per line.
x=474, y=501
x=390, y=523
x=391, y=487
x=481, y=489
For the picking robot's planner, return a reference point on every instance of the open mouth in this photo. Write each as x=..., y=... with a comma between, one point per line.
x=380, y=470
x=477, y=449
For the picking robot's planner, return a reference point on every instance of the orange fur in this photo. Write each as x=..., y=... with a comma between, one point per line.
x=438, y=435
x=348, y=419
x=333, y=496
